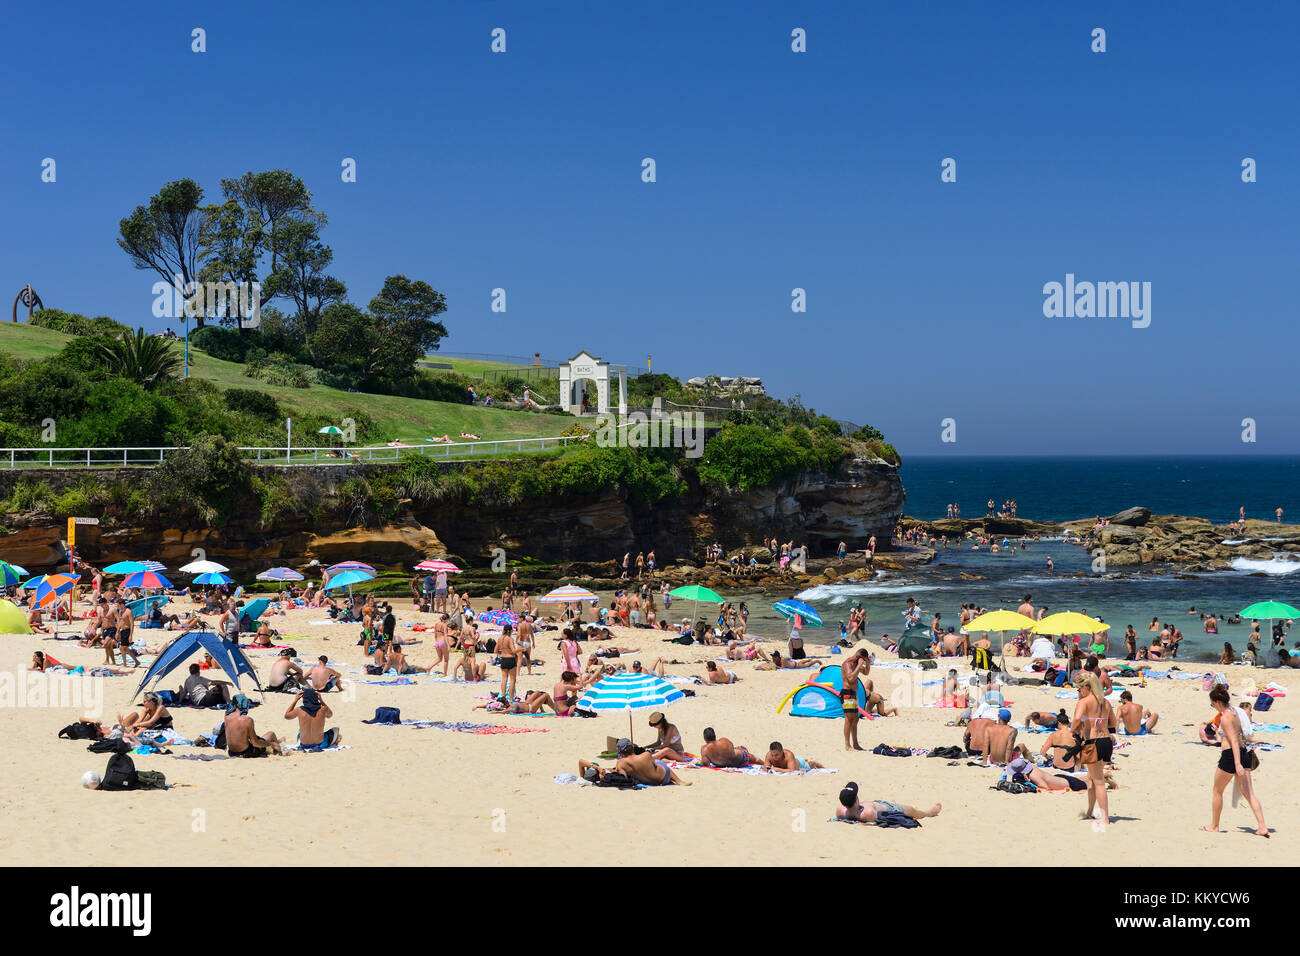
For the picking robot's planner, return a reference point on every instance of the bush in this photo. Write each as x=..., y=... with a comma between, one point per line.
x=743, y=457
x=72, y=323
x=209, y=477
x=252, y=402
x=229, y=345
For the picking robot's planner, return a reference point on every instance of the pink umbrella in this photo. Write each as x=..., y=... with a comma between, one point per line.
x=437, y=565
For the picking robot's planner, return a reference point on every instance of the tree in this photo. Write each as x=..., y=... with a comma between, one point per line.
x=164, y=236
x=147, y=360
x=268, y=199
x=347, y=337
x=302, y=274
x=404, y=312
x=230, y=243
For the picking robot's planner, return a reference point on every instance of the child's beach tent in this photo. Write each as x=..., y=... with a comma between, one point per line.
x=820, y=697
x=228, y=657
x=914, y=644
x=12, y=619
x=251, y=611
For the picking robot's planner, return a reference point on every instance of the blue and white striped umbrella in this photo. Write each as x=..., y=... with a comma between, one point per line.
x=629, y=691
x=789, y=608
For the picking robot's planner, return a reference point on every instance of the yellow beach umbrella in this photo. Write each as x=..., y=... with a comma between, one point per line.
x=1000, y=621
x=1069, y=622
x=12, y=619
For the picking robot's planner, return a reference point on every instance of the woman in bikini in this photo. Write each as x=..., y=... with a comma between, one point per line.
x=1094, y=723
x=1235, y=763
x=564, y=695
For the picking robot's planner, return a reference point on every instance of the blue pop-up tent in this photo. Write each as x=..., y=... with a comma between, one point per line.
x=228, y=657
x=250, y=612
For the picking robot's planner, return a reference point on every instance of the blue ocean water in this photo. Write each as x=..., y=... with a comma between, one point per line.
x=1061, y=489
x=1058, y=489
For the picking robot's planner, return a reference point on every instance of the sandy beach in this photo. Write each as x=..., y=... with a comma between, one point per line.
x=399, y=795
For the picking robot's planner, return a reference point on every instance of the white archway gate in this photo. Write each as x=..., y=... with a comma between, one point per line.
x=583, y=366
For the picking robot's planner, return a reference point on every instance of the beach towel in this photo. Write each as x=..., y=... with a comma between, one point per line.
x=755, y=771
x=1273, y=728
x=299, y=748
x=468, y=727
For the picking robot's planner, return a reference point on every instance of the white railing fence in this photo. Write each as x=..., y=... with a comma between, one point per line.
x=126, y=457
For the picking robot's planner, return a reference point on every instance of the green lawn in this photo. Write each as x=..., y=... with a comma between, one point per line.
x=399, y=419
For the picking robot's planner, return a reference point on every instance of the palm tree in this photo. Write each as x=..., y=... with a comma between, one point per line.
x=148, y=360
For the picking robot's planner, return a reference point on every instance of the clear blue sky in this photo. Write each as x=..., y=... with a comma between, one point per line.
x=775, y=170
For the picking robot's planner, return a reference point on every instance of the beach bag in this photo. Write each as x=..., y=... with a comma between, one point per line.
x=1264, y=701
x=151, y=780
x=120, y=774
x=77, y=731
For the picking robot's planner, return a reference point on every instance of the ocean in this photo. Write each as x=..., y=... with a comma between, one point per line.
x=1056, y=489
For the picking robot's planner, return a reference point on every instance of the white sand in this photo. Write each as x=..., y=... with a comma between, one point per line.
x=408, y=796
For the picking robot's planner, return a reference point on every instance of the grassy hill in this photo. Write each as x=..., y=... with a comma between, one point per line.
x=400, y=419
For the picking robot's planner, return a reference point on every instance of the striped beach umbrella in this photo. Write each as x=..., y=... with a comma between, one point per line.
x=621, y=692
x=567, y=593
x=10, y=574
x=349, y=566
x=790, y=609
x=437, y=564
x=500, y=616
x=348, y=577
x=280, y=574
x=47, y=588
x=146, y=579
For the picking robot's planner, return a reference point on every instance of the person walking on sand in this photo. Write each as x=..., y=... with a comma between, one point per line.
x=1094, y=723
x=857, y=665
x=1235, y=764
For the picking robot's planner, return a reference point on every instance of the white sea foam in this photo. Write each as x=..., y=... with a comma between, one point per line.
x=1268, y=566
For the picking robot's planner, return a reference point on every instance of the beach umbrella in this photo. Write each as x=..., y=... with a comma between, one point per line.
x=280, y=574
x=347, y=578
x=1271, y=610
x=212, y=577
x=1068, y=622
x=10, y=574
x=790, y=609
x=48, y=588
x=146, y=579
x=436, y=565
x=566, y=594
x=330, y=430
x=696, y=593
x=350, y=566
x=203, y=567
x=629, y=692
x=1007, y=621
x=499, y=617
x=126, y=567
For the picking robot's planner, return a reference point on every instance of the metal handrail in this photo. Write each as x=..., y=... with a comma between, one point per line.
x=148, y=457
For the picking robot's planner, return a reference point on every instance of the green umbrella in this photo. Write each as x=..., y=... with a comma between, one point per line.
x=1270, y=610
x=696, y=593
x=330, y=430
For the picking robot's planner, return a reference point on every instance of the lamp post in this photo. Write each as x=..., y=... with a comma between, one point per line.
x=288, y=442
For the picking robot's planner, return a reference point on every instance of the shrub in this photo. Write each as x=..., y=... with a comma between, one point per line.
x=72, y=323
x=252, y=402
x=209, y=476
x=230, y=345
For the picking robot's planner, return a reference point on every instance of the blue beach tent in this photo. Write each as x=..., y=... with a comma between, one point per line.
x=820, y=697
x=228, y=657
x=250, y=612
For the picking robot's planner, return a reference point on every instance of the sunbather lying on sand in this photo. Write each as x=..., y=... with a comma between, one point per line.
x=778, y=758
x=851, y=808
x=775, y=662
x=720, y=752
x=712, y=674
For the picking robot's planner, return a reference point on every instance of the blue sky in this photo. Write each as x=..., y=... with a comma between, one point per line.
x=775, y=170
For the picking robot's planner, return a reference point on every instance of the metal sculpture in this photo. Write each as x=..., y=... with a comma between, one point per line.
x=28, y=297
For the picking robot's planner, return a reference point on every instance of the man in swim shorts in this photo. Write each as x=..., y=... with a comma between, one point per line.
x=241, y=737
x=1136, y=720
x=312, y=712
x=644, y=768
x=721, y=752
